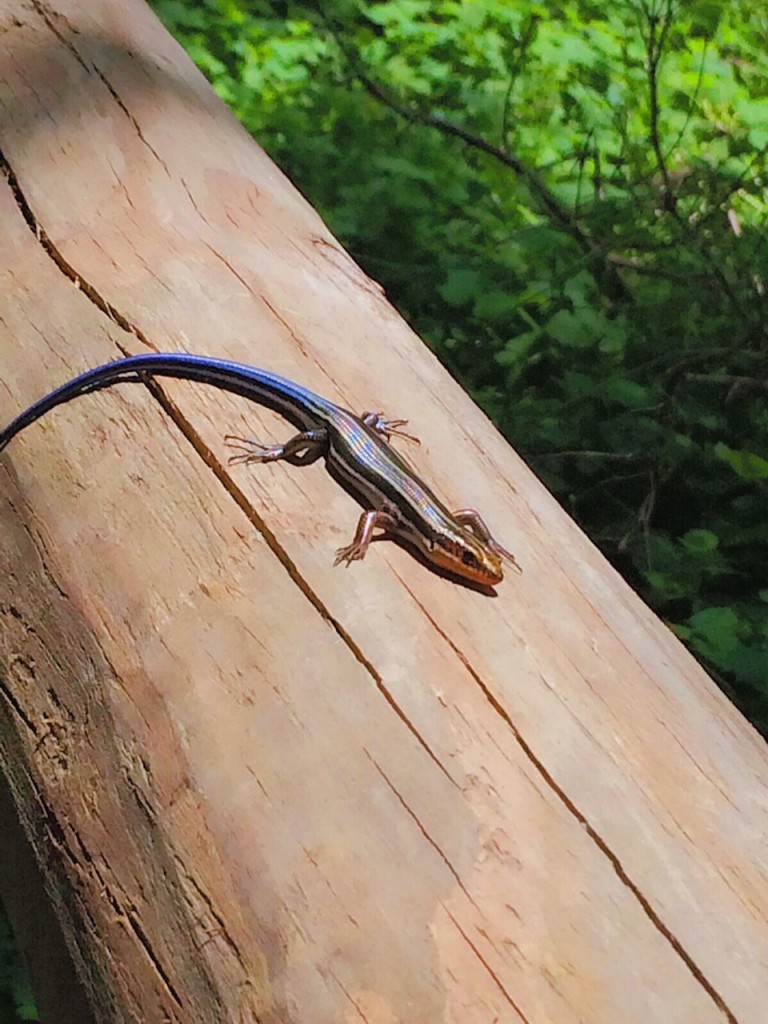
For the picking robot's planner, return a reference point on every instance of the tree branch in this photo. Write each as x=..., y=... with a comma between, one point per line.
x=657, y=33
x=548, y=201
x=658, y=27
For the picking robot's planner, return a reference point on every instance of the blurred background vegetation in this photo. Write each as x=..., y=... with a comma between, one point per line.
x=16, y=1000
x=568, y=202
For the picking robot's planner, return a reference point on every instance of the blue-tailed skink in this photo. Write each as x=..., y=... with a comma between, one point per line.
x=356, y=449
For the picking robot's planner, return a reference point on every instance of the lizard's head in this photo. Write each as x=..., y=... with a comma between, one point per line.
x=465, y=555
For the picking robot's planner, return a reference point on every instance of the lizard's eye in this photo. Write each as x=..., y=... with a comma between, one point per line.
x=468, y=558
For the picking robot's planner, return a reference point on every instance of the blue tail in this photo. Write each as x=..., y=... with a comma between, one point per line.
x=297, y=404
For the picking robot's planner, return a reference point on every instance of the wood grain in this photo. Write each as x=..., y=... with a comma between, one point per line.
x=261, y=788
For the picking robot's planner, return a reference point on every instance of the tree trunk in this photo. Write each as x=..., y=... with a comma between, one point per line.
x=261, y=788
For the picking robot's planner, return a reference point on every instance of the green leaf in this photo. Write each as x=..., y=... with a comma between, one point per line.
x=517, y=348
x=705, y=16
x=403, y=168
x=718, y=627
x=578, y=329
x=580, y=289
x=751, y=663
x=754, y=113
x=669, y=586
x=579, y=385
x=746, y=464
x=626, y=392
x=460, y=286
x=700, y=541
x=495, y=305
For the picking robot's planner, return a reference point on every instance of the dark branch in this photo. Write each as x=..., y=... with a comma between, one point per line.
x=547, y=200
x=658, y=27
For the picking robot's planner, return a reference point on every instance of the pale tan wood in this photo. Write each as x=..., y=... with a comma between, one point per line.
x=263, y=788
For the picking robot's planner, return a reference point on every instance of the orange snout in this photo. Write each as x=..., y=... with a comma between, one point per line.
x=469, y=558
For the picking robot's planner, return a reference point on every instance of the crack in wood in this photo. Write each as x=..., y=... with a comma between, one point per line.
x=579, y=815
x=281, y=320
x=186, y=877
x=486, y=965
x=6, y=692
x=84, y=862
x=47, y=15
x=348, y=996
x=132, y=919
x=191, y=198
x=235, y=273
x=116, y=97
x=412, y=814
x=61, y=262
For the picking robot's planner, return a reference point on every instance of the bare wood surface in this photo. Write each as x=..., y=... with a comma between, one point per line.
x=261, y=788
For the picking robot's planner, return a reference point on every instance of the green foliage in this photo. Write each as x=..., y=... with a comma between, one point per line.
x=568, y=201
x=16, y=1002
